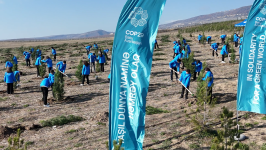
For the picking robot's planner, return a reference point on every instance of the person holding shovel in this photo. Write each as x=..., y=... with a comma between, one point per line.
x=214, y=47
x=37, y=64
x=174, y=65
x=61, y=67
x=209, y=78
x=45, y=84
x=88, y=49
x=185, y=81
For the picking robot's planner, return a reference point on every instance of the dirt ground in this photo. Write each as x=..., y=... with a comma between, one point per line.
x=163, y=131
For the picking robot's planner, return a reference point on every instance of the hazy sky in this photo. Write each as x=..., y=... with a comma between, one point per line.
x=37, y=18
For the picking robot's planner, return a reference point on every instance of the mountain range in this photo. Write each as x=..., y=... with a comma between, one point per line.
x=235, y=14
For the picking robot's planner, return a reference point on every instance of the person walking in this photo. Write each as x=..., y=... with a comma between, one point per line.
x=101, y=60
x=49, y=63
x=174, y=65
x=198, y=68
x=9, y=78
x=209, y=79
x=214, y=47
x=85, y=72
x=61, y=67
x=45, y=84
x=223, y=52
x=185, y=80
x=37, y=64
x=54, y=53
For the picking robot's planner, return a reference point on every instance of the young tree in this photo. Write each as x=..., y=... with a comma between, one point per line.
x=78, y=73
x=42, y=70
x=188, y=63
x=203, y=39
x=15, y=143
x=58, y=87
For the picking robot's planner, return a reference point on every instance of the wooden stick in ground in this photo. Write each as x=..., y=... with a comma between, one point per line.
x=184, y=85
x=62, y=73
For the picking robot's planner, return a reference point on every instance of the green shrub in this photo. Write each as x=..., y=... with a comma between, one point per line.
x=60, y=120
x=58, y=87
x=15, y=143
x=165, y=38
x=42, y=70
x=151, y=110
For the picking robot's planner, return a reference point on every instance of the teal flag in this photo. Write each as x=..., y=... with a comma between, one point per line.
x=130, y=71
x=251, y=94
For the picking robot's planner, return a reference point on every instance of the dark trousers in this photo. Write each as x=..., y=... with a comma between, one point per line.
x=10, y=89
x=156, y=45
x=85, y=77
x=195, y=74
x=209, y=91
x=102, y=67
x=106, y=56
x=27, y=62
x=183, y=91
x=45, y=95
x=199, y=41
x=54, y=57
x=88, y=52
x=49, y=69
x=222, y=57
x=38, y=72
x=172, y=71
x=209, y=41
x=223, y=41
x=236, y=44
x=175, y=54
x=92, y=64
x=213, y=53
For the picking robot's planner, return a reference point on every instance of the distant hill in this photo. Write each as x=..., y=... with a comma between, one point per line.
x=91, y=34
x=235, y=14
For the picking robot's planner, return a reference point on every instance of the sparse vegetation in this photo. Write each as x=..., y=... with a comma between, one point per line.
x=60, y=120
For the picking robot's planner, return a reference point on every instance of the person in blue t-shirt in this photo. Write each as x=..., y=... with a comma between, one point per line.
x=9, y=64
x=198, y=68
x=15, y=60
x=199, y=37
x=61, y=67
x=85, y=72
x=17, y=75
x=92, y=59
x=174, y=65
x=185, y=80
x=9, y=78
x=209, y=39
x=214, y=47
x=156, y=44
x=95, y=46
x=101, y=59
x=54, y=53
x=37, y=64
x=51, y=79
x=49, y=63
x=223, y=52
x=27, y=57
x=236, y=38
x=88, y=48
x=45, y=84
x=209, y=78
x=223, y=38
x=106, y=53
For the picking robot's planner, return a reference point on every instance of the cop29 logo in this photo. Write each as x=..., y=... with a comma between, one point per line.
x=138, y=17
x=262, y=7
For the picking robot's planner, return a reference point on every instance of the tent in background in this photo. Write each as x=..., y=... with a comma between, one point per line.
x=241, y=24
